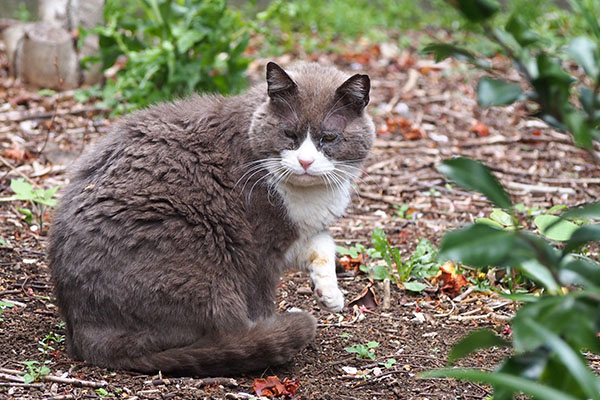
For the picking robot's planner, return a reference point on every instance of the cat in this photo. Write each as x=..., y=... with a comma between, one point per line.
x=172, y=235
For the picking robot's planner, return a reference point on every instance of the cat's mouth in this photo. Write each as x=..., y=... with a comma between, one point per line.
x=305, y=179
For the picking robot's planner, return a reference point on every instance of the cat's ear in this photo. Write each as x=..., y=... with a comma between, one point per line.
x=355, y=92
x=279, y=82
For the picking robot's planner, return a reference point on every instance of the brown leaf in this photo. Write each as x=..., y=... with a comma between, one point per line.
x=273, y=387
x=352, y=264
x=16, y=153
x=480, y=129
x=451, y=281
x=366, y=298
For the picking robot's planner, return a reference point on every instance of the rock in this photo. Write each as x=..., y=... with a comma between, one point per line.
x=13, y=38
x=54, y=12
x=47, y=57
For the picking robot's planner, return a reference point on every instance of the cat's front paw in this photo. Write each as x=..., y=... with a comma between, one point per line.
x=329, y=297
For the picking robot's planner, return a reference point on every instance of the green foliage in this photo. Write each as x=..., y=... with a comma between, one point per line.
x=422, y=264
x=550, y=331
x=170, y=48
x=389, y=363
x=38, y=200
x=35, y=370
x=5, y=304
x=553, y=88
x=363, y=351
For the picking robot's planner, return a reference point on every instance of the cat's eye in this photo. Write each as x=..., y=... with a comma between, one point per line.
x=289, y=133
x=329, y=137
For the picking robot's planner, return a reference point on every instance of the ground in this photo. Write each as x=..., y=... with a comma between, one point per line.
x=425, y=112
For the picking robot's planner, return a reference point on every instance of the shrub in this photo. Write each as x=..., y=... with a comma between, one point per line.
x=167, y=48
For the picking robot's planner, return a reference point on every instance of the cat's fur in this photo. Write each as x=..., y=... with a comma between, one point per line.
x=172, y=235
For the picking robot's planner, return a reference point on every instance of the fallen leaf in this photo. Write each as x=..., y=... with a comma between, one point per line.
x=480, y=129
x=352, y=264
x=451, y=281
x=274, y=387
x=366, y=298
x=16, y=153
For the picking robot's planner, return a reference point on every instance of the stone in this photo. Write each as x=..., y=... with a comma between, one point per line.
x=47, y=57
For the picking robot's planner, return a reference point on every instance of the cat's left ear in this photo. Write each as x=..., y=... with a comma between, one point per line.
x=355, y=92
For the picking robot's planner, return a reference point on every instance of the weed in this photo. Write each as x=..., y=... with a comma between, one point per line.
x=104, y=393
x=35, y=370
x=363, y=351
x=38, y=200
x=167, y=48
x=422, y=263
x=389, y=363
x=5, y=304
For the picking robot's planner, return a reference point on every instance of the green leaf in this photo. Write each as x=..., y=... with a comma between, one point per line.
x=21, y=188
x=414, y=286
x=577, y=123
x=476, y=10
x=487, y=221
x=502, y=217
x=515, y=383
x=583, y=235
x=585, y=52
x=540, y=274
x=476, y=340
x=442, y=51
x=497, y=92
x=554, y=227
x=579, y=271
x=518, y=28
x=381, y=272
x=587, y=380
x=474, y=175
x=478, y=245
x=588, y=211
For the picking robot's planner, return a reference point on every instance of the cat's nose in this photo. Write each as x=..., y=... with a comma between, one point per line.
x=305, y=163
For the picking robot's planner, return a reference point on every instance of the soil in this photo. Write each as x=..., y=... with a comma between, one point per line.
x=425, y=112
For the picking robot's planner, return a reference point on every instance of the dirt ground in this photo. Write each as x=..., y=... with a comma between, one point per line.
x=425, y=112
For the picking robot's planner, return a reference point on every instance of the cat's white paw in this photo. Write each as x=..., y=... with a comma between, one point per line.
x=329, y=297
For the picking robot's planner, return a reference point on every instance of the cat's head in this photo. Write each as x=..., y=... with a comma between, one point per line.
x=313, y=128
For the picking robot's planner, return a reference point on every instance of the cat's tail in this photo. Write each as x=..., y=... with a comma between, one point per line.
x=270, y=342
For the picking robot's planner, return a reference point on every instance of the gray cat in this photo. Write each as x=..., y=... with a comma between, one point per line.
x=172, y=235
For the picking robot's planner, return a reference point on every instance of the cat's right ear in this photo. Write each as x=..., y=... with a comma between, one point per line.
x=279, y=82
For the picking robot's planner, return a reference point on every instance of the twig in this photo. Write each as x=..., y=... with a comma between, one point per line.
x=12, y=371
x=386, y=295
x=16, y=303
x=73, y=381
x=464, y=294
x=62, y=397
x=229, y=382
x=12, y=378
x=24, y=385
x=12, y=168
x=46, y=115
x=538, y=188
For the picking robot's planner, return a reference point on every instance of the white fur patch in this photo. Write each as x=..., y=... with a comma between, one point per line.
x=317, y=255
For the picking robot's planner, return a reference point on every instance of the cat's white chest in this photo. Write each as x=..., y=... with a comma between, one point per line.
x=313, y=209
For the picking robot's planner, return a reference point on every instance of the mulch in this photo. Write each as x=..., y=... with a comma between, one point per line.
x=425, y=112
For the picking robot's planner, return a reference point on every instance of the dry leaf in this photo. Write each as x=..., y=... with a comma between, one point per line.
x=366, y=298
x=480, y=129
x=451, y=281
x=16, y=153
x=352, y=264
x=273, y=387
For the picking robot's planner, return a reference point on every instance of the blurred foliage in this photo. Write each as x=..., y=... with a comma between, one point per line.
x=166, y=48
x=568, y=103
x=553, y=329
